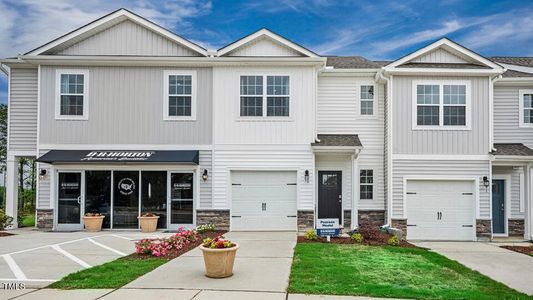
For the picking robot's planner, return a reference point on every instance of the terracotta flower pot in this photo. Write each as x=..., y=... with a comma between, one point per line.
x=148, y=224
x=93, y=223
x=219, y=262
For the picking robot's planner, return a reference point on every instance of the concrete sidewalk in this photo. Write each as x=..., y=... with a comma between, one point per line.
x=511, y=268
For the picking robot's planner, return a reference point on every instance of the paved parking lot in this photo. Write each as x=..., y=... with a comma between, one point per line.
x=40, y=258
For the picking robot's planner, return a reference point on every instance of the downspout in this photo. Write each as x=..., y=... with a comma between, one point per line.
x=388, y=100
x=493, y=80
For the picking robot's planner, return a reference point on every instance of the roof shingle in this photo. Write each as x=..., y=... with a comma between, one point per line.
x=343, y=140
x=517, y=61
x=515, y=149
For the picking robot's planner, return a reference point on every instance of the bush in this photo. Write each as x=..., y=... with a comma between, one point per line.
x=205, y=228
x=160, y=247
x=5, y=220
x=311, y=235
x=357, y=237
x=394, y=241
x=369, y=231
x=217, y=243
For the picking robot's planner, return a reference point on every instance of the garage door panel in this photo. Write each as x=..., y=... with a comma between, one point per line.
x=277, y=190
x=455, y=201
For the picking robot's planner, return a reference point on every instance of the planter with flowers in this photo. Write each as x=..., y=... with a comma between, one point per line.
x=93, y=222
x=219, y=256
x=148, y=222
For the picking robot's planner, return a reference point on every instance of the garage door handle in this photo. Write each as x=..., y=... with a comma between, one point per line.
x=468, y=225
x=236, y=184
x=467, y=193
x=411, y=193
x=291, y=183
x=411, y=225
x=291, y=216
x=236, y=216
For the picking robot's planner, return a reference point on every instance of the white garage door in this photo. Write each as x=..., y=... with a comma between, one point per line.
x=263, y=200
x=440, y=210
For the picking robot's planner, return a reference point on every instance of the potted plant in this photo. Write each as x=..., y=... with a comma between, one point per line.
x=93, y=222
x=148, y=222
x=219, y=256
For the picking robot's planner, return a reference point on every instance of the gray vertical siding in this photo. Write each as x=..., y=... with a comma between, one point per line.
x=408, y=141
x=206, y=188
x=126, y=107
x=506, y=117
x=23, y=110
x=127, y=38
x=451, y=169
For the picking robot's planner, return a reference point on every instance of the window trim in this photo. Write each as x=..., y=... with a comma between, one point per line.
x=521, y=108
x=85, y=73
x=374, y=101
x=367, y=184
x=264, y=117
x=194, y=103
x=441, y=126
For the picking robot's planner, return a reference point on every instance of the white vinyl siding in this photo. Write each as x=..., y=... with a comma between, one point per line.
x=507, y=117
x=22, y=106
x=206, y=187
x=526, y=108
x=180, y=95
x=439, y=56
x=264, y=47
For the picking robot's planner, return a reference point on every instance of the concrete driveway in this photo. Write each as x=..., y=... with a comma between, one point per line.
x=38, y=258
x=262, y=267
x=511, y=268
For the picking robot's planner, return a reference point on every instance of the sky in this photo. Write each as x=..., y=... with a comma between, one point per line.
x=375, y=29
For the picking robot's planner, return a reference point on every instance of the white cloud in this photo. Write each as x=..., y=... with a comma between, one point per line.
x=27, y=24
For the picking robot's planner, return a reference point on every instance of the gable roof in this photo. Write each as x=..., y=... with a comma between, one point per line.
x=108, y=21
x=262, y=33
x=454, y=48
x=353, y=62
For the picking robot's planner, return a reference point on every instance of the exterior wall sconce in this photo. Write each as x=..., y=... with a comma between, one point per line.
x=42, y=173
x=486, y=182
x=306, y=176
x=204, y=175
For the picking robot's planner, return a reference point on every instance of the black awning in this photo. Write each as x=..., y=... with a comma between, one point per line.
x=121, y=156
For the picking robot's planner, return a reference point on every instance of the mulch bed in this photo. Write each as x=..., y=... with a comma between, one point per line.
x=3, y=233
x=520, y=249
x=175, y=253
x=382, y=241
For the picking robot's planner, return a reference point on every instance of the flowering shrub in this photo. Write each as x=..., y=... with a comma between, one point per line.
x=205, y=228
x=311, y=235
x=394, y=241
x=218, y=243
x=357, y=237
x=160, y=247
x=369, y=231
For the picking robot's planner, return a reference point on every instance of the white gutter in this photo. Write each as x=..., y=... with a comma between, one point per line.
x=517, y=68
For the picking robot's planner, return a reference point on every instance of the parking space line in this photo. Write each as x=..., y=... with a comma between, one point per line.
x=106, y=247
x=121, y=237
x=72, y=257
x=14, y=267
x=46, y=246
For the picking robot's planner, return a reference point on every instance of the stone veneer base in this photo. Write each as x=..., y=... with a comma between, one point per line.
x=306, y=220
x=483, y=229
x=220, y=218
x=516, y=227
x=45, y=219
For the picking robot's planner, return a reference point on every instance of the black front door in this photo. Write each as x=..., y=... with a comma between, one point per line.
x=330, y=195
x=498, y=206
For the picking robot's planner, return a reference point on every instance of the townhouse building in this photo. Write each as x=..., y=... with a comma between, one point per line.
x=126, y=117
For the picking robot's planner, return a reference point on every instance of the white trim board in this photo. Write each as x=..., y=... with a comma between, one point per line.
x=521, y=108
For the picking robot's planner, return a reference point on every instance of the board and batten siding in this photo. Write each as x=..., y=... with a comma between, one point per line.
x=516, y=189
x=23, y=108
x=126, y=107
x=127, y=38
x=439, y=56
x=506, y=116
x=264, y=47
x=446, y=142
x=230, y=128
x=442, y=168
x=257, y=158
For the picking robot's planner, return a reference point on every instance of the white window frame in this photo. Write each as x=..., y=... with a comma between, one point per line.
x=264, y=116
x=521, y=94
x=193, y=75
x=85, y=73
x=374, y=101
x=366, y=184
x=441, y=126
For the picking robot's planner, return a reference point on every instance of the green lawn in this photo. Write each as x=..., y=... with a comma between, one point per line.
x=110, y=275
x=388, y=272
x=28, y=221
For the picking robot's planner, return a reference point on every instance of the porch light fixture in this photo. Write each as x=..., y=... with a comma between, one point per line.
x=486, y=182
x=306, y=176
x=204, y=175
x=42, y=173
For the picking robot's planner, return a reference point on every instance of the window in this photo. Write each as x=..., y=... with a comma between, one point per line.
x=72, y=94
x=254, y=90
x=441, y=105
x=526, y=108
x=180, y=102
x=367, y=99
x=366, y=184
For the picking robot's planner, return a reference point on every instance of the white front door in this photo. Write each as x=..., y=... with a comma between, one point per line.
x=70, y=201
x=440, y=210
x=263, y=200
